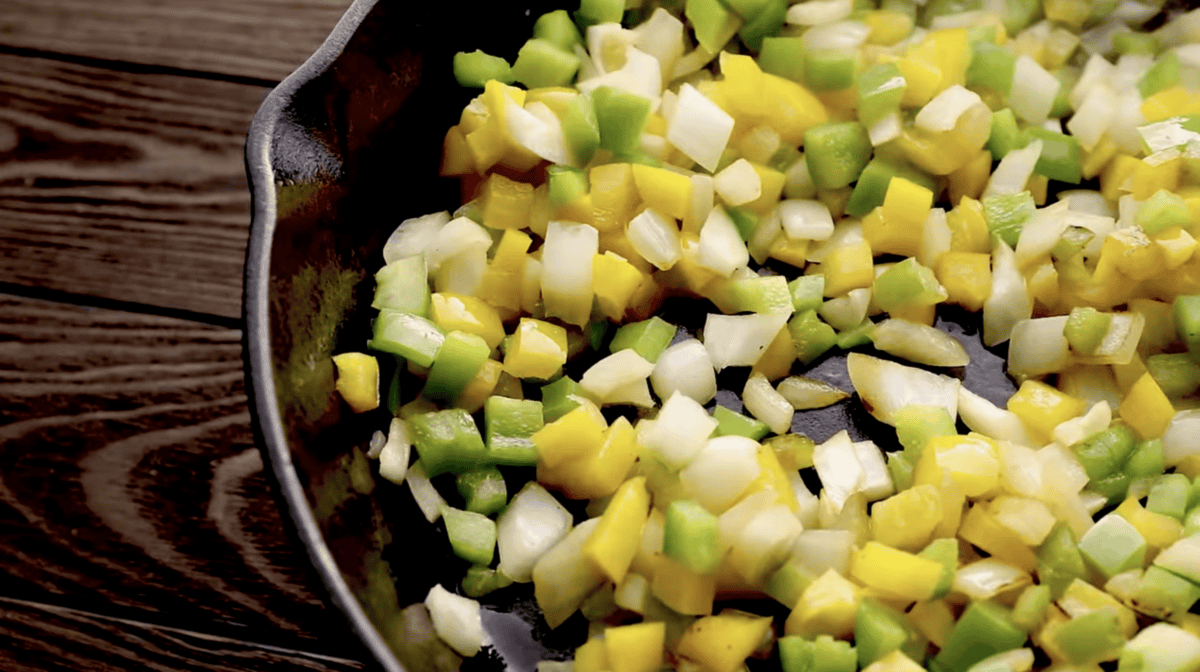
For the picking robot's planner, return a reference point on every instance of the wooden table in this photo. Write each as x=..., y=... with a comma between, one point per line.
x=137, y=527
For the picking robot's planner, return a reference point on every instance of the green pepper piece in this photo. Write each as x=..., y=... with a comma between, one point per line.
x=1163, y=210
x=983, y=630
x=787, y=584
x=481, y=580
x=784, y=158
x=880, y=89
x=447, y=441
x=856, y=336
x=901, y=471
x=1112, y=546
x=991, y=66
x=944, y=552
x=601, y=11
x=1059, y=560
x=746, y=221
x=811, y=336
x=823, y=654
x=581, y=130
x=1030, y=608
x=483, y=490
x=792, y=449
x=1062, y=156
x=907, y=283
x=458, y=360
x=474, y=69
x=1147, y=460
x=1162, y=594
x=557, y=397
x=1005, y=135
x=558, y=29
x=874, y=180
x=880, y=630
x=409, y=336
x=1191, y=521
x=762, y=294
x=1086, y=328
x=1164, y=74
x=1006, y=215
x=713, y=24
x=690, y=536
x=541, y=63
x=620, y=116
x=472, y=535
x=917, y=424
x=1128, y=42
x=732, y=423
x=808, y=292
x=1194, y=494
x=1114, y=486
x=393, y=395
x=403, y=286
x=648, y=338
x=1020, y=14
x=1169, y=496
x=830, y=69
x=836, y=153
x=565, y=184
x=1187, y=322
x=508, y=424
x=765, y=23
x=783, y=57
x=1090, y=638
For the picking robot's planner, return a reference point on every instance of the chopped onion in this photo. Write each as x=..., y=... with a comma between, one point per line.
x=414, y=236
x=1013, y=171
x=562, y=577
x=798, y=182
x=721, y=471
x=679, y=432
x=816, y=12
x=770, y=229
x=721, y=246
x=1182, y=438
x=1020, y=469
x=1061, y=470
x=1016, y=660
x=462, y=273
x=919, y=343
x=702, y=201
x=764, y=543
x=846, y=312
x=877, y=480
x=1097, y=71
x=1087, y=202
x=1027, y=517
x=850, y=516
x=740, y=340
x=424, y=494
x=1009, y=301
x=818, y=551
x=641, y=75
x=1091, y=121
x=1038, y=347
x=738, y=183
x=614, y=372
x=936, y=239
x=763, y=402
x=836, y=35
x=806, y=394
x=394, y=454
x=536, y=130
x=942, y=113
x=735, y=518
x=607, y=43
x=984, y=579
x=458, y=235
x=656, y=238
x=1033, y=91
x=456, y=620
x=807, y=504
x=533, y=522
x=687, y=369
x=699, y=128
x=886, y=387
x=661, y=36
x=981, y=415
x=1097, y=418
x=805, y=219
x=837, y=464
x=846, y=232
x=567, y=270
x=885, y=130
x=634, y=393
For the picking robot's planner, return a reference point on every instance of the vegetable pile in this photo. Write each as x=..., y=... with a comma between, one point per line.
x=820, y=177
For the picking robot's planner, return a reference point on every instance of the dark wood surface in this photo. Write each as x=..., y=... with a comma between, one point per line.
x=138, y=529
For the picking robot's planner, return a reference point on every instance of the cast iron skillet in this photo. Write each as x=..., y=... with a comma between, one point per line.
x=341, y=152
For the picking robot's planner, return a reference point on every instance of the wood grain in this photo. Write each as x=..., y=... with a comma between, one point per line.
x=261, y=39
x=130, y=485
x=124, y=186
x=39, y=637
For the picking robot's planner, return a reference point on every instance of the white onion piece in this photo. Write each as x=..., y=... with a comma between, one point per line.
x=1097, y=71
x=807, y=504
x=679, y=432
x=740, y=340
x=818, y=551
x=562, y=578
x=1099, y=225
x=532, y=524
x=1016, y=660
x=685, y=368
x=846, y=312
x=1038, y=347
x=985, y=578
x=763, y=402
x=981, y=415
x=1009, y=301
x=395, y=452
x=1182, y=438
x=1020, y=469
x=462, y=273
x=836, y=35
x=641, y=75
x=1033, y=91
x=735, y=518
x=721, y=472
x=919, y=343
x=1028, y=518
x=424, y=494
x=1086, y=202
x=458, y=235
x=456, y=620
x=721, y=246
x=1093, y=501
x=661, y=36
x=846, y=232
x=414, y=236
x=701, y=203
x=942, y=113
x=770, y=229
x=798, y=182
x=607, y=44
x=699, y=128
x=1041, y=233
x=936, y=239
x=656, y=238
x=850, y=516
x=633, y=393
x=805, y=219
x=805, y=393
x=738, y=183
x=886, y=387
x=764, y=543
x=837, y=465
x=877, y=480
x=1013, y=171
x=1093, y=118
x=816, y=12
x=613, y=373
x=566, y=281
x=1061, y=470
x=1128, y=118
x=536, y=130
x=886, y=129
x=1096, y=419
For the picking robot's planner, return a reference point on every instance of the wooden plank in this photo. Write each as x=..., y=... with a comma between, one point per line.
x=124, y=186
x=260, y=39
x=40, y=637
x=130, y=484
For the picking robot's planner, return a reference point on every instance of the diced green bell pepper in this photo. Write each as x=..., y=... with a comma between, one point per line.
x=1187, y=322
x=732, y=423
x=1104, y=452
x=580, y=128
x=880, y=89
x=901, y=471
x=783, y=57
x=601, y=11
x=557, y=398
x=1163, y=594
x=472, y=535
x=1163, y=210
x=1059, y=560
x=917, y=424
x=690, y=536
x=811, y=336
x=823, y=654
x=945, y=552
x=1062, y=156
x=558, y=29
x=1128, y=42
x=1169, y=495
x=1112, y=546
x=483, y=490
x=1090, y=638
x=713, y=24
x=1086, y=328
x=621, y=116
x=1030, y=608
x=830, y=69
x=856, y=336
x=447, y=441
x=409, y=336
x=765, y=23
x=907, y=283
x=474, y=69
x=541, y=63
x=983, y=630
x=762, y=294
x=808, y=292
x=1006, y=215
x=565, y=184
x=1005, y=135
x=458, y=360
x=1164, y=74
x=1019, y=14
x=1147, y=460
x=648, y=338
x=1114, y=486
x=746, y=221
x=481, y=580
x=991, y=66
x=393, y=394
x=880, y=630
x=403, y=286
x=836, y=153
x=508, y=424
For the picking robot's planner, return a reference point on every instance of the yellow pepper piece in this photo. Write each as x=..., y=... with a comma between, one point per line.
x=894, y=573
x=1042, y=283
x=612, y=545
x=358, y=380
x=947, y=48
x=971, y=179
x=682, y=589
x=1095, y=161
x=502, y=290
x=456, y=154
x=743, y=85
x=1176, y=101
x=487, y=145
x=505, y=203
x=537, y=350
x=772, y=188
x=1146, y=408
x=578, y=210
x=776, y=361
x=1116, y=173
x=905, y=208
x=1159, y=530
x=614, y=195
x=459, y=312
x=894, y=662
x=511, y=251
x=1042, y=407
x=1176, y=245
x=937, y=153
x=574, y=436
x=791, y=108
x=907, y=519
x=982, y=529
x=772, y=478
x=621, y=280
x=1071, y=12
x=971, y=461
x=887, y=26
x=1130, y=252
x=1161, y=170
x=667, y=192
x=826, y=607
x=924, y=79
x=592, y=656
x=952, y=511
x=967, y=277
x=722, y=643
x=848, y=267
x=934, y=620
x=1081, y=597
x=968, y=228
x=477, y=390
x=636, y=648
x=791, y=252
x=917, y=314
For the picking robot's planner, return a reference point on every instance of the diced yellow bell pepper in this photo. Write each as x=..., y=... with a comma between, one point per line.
x=1042, y=283
x=477, y=390
x=614, y=195
x=791, y=252
x=487, y=145
x=947, y=48
x=1119, y=170
x=614, y=542
x=1038, y=187
x=1045, y=637
x=510, y=252
x=791, y=108
x=1176, y=245
x=895, y=573
x=953, y=500
x=1159, y=530
x=907, y=519
x=936, y=153
x=923, y=78
x=647, y=301
x=772, y=477
x=848, y=267
x=1095, y=161
x=592, y=656
x=682, y=589
x=639, y=647
x=917, y=314
x=722, y=643
x=574, y=436
x=1146, y=409
x=905, y=208
x=1042, y=407
x=1176, y=101
x=505, y=203
x=358, y=380
x=651, y=544
x=776, y=361
x=887, y=26
x=459, y=312
x=1081, y=597
x=578, y=210
x=537, y=349
x=619, y=282
x=668, y=192
x=1130, y=252
x=971, y=461
x=826, y=607
x=894, y=662
x=968, y=228
x=1126, y=375
x=1071, y=12
x=982, y=529
x=933, y=619
x=1161, y=170
x=456, y=154
x=772, y=188
x=967, y=277
x=971, y=179
x=744, y=90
